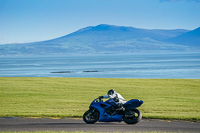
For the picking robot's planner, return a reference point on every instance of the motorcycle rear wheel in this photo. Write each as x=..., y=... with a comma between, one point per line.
x=91, y=116
x=133, y=119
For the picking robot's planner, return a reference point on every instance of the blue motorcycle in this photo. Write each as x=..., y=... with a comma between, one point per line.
x=108, y=112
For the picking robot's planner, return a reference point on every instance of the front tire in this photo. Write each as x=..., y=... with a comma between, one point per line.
x=133, y=117
x=91, y=116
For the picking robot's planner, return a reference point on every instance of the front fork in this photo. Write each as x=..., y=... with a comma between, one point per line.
x=92, y=110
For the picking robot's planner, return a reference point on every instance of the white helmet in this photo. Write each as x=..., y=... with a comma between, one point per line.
x=111, y=92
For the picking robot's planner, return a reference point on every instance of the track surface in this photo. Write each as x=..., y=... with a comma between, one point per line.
x=30, y=124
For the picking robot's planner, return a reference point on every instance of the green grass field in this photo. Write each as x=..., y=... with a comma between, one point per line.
x=70, y=97
x=81, y=132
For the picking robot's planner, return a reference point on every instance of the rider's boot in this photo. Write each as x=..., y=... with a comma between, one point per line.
x=120, y=107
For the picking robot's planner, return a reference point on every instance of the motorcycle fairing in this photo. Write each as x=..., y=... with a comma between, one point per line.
x=97, y=106
x=111, y=102
x=132, y=104
x=108, y=118
x=103, y=116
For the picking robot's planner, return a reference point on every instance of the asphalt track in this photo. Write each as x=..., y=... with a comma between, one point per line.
x=67, y=124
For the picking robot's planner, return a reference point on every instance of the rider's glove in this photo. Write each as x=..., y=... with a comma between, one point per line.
x=100, y=97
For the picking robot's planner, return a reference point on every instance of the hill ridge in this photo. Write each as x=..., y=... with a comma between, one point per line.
x=104, y=38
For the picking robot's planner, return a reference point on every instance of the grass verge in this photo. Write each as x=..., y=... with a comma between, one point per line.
x=70, y=97
x=83, y=132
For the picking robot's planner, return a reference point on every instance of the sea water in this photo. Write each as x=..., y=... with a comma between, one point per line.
x=156, y=66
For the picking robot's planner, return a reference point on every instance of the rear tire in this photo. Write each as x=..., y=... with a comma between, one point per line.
x=91, y=116
x=133, y=119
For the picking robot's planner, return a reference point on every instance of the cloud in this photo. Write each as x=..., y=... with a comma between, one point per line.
x=179, y=0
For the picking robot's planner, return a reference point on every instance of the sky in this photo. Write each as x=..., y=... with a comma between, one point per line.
x=24, y=21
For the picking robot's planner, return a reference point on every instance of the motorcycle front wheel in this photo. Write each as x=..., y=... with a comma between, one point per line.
x=132, y=116
x=91, y=116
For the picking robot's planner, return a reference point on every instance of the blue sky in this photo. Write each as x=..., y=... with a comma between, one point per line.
x=37, y=20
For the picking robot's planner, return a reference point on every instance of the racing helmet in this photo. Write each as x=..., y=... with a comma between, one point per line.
x=111, y=92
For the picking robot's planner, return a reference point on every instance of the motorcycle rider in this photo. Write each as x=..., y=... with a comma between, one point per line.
x=119, y=100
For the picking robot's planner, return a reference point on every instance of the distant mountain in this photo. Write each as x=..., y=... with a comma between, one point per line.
x=109, y=32
x=105, y=39
x=191, y=38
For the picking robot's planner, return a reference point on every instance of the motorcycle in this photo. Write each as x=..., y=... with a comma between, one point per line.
x=108, y=112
